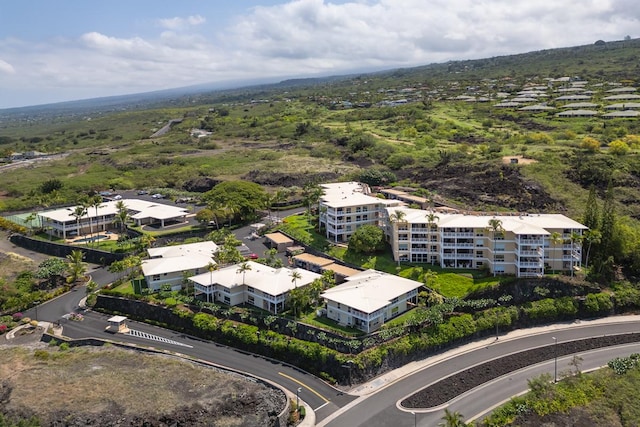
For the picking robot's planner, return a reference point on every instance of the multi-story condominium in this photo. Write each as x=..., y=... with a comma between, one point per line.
x=345, y=206
x=370, y=298
x=524, y=245
x=259, y=285
x=169, y=265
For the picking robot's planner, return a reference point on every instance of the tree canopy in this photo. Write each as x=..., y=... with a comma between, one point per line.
x=367, y=239
x=240, y=199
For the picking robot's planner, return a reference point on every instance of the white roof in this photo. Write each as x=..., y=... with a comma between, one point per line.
x=155, y=266
x=273, y=281
x=143, y=209
x=572, y=97
x=370, y=290
x=116, y=319
x=625, y=113
x=622, y=106
x=199, y=248
x=344, y=194
x=570, y=113
x=537, y=107
x=518, y=224
x=580, y=105
x=621, y=97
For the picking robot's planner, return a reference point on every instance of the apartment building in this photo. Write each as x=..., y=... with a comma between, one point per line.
x=520, y=244
x=345, y=206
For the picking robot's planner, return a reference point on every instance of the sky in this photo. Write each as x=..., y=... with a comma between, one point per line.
x=61, y=50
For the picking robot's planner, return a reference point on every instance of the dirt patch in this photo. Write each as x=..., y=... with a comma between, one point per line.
x=108, y=386
x=441, y=392
x=288, y=179
x=520, y=160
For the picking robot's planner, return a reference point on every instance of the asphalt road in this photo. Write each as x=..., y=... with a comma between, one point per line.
x=320, y=396
x=379, y=409
x=334, y=408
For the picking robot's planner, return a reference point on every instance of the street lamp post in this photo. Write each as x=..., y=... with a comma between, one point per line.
x=555, y=359
x=497, y=318
x=298, y=390
x=415, y=418
x=36, y=308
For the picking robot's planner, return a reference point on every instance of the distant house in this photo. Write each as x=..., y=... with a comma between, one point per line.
x=261, y=286
x=370, y=298
x=577, y=113
x=621, y=114
x=622, y=97
x=168, y=265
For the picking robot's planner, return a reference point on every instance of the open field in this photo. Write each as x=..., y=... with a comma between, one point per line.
x=84, y=385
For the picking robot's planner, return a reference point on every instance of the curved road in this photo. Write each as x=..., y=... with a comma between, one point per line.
x=380, y=409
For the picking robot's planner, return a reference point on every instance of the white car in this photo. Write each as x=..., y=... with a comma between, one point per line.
x=157, y=196
x=117, y=197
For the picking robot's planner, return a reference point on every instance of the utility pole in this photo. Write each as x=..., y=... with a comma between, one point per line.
x=555, y=359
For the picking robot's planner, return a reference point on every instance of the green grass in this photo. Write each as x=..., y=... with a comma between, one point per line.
x=125, y=288
x=460, y=284
x=326, y=323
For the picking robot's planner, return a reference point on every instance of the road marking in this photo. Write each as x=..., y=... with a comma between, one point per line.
x=147, y=336
x=321, y=406
x=305, y=386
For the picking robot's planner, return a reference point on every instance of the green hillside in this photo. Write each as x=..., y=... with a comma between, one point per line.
x=435, y=128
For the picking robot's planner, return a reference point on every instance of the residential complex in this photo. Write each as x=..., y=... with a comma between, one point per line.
x=345, y=206
x=169, y=265
x=524, y=245
x=63, y=222
x=368, y=299
x=257, y=284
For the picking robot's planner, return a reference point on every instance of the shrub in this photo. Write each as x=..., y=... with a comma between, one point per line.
x=64, y=346
x=41, y=354
x=3, y=329
x=17, y=316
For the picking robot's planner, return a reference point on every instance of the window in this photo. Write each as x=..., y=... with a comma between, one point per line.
x=395, y=300
x=250, y=290
x=251, y=300
x=156, y=277
x=226, y=291
x=227, y=300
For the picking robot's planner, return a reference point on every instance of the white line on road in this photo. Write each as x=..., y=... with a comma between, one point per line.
x=140, y=334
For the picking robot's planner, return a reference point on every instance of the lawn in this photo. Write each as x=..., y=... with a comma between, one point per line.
x=326, y=323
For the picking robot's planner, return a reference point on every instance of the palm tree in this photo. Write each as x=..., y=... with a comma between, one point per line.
x=295, y=276
x=322, y=213
x=95, y=202
x=243, y=268
x=452, y=419
x=397, y=217
x=573, y=239
x=432, y=219
x=495, y=225
x=78, y=213
x=211, y=267
x=122, y=216
x=591, y=237
x=311, y=195
x=75, y=266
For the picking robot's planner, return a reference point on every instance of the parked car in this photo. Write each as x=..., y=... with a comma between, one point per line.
x=252, y=256
x=117, y=197
x=142, y=192
x=157, y=196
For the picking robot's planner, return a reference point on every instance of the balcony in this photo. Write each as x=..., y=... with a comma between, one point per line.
x=450, y=234
x=530, y=264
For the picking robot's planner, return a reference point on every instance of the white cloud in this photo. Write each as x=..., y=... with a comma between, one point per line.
x=303, y=37
x=178, y=23
x=6, y=68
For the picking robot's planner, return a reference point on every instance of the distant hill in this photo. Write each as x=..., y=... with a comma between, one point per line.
x=618, y=60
